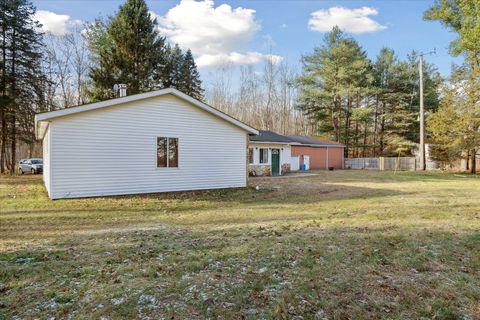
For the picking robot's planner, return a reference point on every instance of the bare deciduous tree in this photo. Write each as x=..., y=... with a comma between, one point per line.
x=264, y=99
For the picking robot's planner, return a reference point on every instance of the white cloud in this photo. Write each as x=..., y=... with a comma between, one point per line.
x=57, y=24
x=349, y=20
x=216, y=35
x=209, y=60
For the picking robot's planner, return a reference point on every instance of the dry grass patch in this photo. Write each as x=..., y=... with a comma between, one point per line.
x=340, y=245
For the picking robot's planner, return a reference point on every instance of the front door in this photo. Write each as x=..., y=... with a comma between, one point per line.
x=275, y=162
x=306, y=162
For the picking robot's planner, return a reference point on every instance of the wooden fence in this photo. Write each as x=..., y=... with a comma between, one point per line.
x=382, y=163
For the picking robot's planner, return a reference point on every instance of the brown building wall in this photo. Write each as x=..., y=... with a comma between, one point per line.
x=318, y=156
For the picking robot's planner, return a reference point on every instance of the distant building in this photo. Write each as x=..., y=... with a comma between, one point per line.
x=273, y=154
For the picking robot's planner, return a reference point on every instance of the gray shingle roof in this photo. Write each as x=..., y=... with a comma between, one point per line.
x=313, y=141
x=270, y=136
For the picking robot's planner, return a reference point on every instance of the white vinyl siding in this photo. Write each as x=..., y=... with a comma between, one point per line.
x=46, y=160
x=113, y=150
x=285, y=153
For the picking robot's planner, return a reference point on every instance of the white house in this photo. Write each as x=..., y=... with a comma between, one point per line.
x=151, y=142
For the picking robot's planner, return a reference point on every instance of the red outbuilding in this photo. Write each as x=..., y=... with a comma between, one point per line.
x=316, y=154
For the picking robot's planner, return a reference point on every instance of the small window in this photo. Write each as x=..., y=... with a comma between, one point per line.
x=264, y=155
x=250, y=155
x=167, y=152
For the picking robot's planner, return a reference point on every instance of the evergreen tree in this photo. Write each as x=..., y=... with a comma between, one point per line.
x=344, y=94
x=190, y=82
x=20, y=54
x=170, y=73
x=335, y=79
x=127, y=49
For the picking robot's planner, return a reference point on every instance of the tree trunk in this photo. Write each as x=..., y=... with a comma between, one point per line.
x=364, y=140
x=14, y=143
x=347, y=124
x=4, y=140
x=31, y=145
x=357, y=149
x=464, y=161
x=4, y=96
x=382, y=127
x=335, y=119
x=13, y=104
x=473, y=165
x=375, y=126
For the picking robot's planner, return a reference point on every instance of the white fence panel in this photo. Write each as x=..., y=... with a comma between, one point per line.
x=381, y=163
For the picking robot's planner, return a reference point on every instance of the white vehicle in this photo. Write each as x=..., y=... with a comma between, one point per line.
x=34, y=165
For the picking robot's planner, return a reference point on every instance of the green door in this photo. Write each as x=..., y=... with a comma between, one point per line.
x=275, y=162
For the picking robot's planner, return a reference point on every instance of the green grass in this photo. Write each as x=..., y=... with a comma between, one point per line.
x=339, y=245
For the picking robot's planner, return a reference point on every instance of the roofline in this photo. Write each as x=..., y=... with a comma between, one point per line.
x=299, y=144
x=320, y=145
x=46, y=116
x=272, y=142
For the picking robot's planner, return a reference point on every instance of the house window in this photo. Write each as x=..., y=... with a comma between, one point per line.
x=250, y=155
x=167, y=152
x=264, y=155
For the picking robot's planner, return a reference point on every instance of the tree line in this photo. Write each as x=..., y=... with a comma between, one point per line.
x=373, y=106
x=370, y=105
x=41, y=72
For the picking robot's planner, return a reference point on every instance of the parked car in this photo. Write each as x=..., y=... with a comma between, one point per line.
x=32, y=166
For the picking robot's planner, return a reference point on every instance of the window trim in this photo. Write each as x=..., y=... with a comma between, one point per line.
x=168, y=158
x=253, y=155
x=260, y=156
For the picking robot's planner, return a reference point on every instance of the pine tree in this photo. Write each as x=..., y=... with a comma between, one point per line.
x=190, y=82
x=128, y=49
x=320, y=84
x=170, y=74
x=20, y=52
x=335, y=79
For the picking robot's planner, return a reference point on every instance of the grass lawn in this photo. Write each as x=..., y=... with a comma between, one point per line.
x=339, y=245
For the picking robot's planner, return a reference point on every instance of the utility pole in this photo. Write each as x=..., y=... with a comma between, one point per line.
x=423, y=162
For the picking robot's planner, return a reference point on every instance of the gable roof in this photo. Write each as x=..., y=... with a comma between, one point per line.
x=267, y=136
x=42, y=119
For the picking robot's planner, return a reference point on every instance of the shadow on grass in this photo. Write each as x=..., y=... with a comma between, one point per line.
x=363, y=273
x=186, y=201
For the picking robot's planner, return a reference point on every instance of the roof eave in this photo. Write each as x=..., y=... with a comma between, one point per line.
x=40, y=128
x=271, y=142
